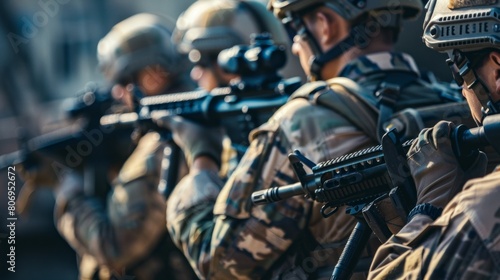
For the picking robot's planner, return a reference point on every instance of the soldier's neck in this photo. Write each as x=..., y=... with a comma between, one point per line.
x=333, y=68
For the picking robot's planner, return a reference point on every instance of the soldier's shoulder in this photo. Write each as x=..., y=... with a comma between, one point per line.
x=479, y=201
x=311, y=90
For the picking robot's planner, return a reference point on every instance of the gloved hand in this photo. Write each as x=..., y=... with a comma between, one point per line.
x=437, y=173
x=194, y=140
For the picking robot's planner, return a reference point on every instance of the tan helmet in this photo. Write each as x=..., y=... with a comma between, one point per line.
x=137, y=42
x=466, y=31
x=462, y=25
x=363, y=15
x=348, y=9
x=209, y=26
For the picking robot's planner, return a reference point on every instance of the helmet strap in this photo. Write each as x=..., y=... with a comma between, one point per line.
x=295, y=20
x=320, y=59
x=474, y=83
x=359, y=36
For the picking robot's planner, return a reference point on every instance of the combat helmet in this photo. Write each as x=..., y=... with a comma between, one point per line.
x=466, y=31
x=135, y=43
x=210, y=26
x=361, y=14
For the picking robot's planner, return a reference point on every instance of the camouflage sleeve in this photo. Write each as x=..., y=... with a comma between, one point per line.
x=133, y=220
x=237, y=240
x=190, y=217
x=461, y=244
x=397, y=247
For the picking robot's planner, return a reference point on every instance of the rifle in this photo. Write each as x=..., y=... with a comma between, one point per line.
x=362, y=175
x=83, y=145
x=360, y=179
x=239, y=107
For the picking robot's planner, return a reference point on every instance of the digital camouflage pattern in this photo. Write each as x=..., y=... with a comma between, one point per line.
x=226, y=237
x=464, y=243
x=128, y=235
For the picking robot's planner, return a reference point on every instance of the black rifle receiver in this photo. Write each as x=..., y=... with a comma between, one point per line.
x=85, y=110
x=83, y=145
x=361, y=179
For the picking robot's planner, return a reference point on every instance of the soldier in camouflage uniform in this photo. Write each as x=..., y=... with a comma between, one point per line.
x=208, y=27
x=461, y=240
x=127, y=237
x=224, y=236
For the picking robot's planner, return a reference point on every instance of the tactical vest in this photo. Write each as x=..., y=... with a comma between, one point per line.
x=393, y=99
x=398, y=101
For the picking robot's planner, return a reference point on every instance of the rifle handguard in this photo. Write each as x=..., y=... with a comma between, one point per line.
x=346, y=180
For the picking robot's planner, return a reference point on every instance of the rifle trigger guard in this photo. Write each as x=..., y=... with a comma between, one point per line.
x=327, y=210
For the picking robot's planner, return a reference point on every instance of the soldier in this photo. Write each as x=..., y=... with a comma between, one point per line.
x=461, y=240
x=226, y=237
x=127, y=236
x=208, y=27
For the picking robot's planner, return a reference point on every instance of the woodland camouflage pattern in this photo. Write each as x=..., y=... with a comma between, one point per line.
x=464, y=243
x=226, y=237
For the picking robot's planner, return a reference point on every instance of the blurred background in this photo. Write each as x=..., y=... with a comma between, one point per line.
x=48, y=53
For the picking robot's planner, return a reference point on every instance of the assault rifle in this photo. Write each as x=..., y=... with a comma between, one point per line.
x=239, y=107
x=359, y=180
x=82, y=145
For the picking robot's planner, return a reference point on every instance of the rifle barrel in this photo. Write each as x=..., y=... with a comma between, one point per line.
x=276, y=194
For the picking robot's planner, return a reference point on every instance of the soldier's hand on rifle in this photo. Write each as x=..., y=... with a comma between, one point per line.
x=194, y=139
x=40, y=175
x=435, y=168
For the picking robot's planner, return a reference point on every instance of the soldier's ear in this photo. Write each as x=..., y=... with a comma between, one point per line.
x=332, y=28
x=494, y=58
